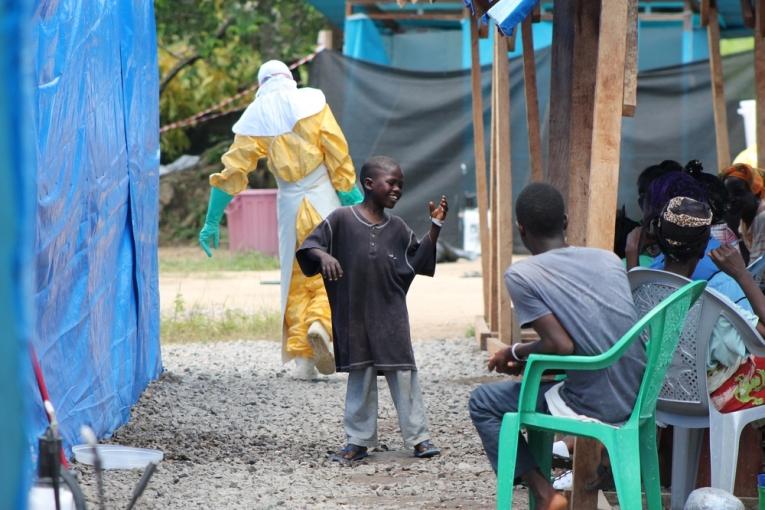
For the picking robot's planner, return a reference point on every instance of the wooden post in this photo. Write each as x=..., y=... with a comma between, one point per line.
x=759, y=80
x=494, y=262
x=532, y=101
x=718, y=90
x=602, y=184
x=479, y=149
x=560, y=95
x=630, y=63
x=583, y=75
x=503, y=190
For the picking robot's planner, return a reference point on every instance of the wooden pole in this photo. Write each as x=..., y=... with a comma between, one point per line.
x=603, y=179
x=759, y=81
x=479, y=149
x=583, y=76
x=504, y=189
x=532, y=101
x=494, y=262
x=630, y=63
x=718, y=90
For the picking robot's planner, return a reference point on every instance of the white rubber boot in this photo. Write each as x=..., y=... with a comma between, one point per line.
x=305, y=369
x=321, y=344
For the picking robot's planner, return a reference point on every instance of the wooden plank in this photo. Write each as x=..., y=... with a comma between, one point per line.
x=759, y=83
x=718, y=90
x=407, y=15
x=586, y=460
x=704, y=12
x=560, y=95
x=607, y=126
x=760, y=20
x=631, y=64
x=747, y=13
x=482, y=332
x=532, y=101
x=510, y=39
x=479, y=150
x=504, y=217
x=493, y=262
x=586, y=26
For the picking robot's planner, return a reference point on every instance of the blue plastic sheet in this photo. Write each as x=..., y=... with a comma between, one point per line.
x=16, y=250
x=97, y=148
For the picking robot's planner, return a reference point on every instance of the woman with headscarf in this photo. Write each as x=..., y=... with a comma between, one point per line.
x=746, y=189
x=308, y=155
x=733, y=375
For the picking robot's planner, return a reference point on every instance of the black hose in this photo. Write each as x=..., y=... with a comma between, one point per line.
x=71, y=481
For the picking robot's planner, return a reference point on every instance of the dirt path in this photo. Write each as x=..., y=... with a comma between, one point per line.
x=439, y=307
x=238, y=433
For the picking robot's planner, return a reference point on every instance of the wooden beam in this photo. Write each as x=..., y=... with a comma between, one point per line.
x=760, y=20
x=583, y=78
x=493, y=262
x=718, y=90
x=607, y=126
x=630, y=63
x=759, y=83
x=747, y=13
x=479, y=150
x=503, y=191
x=406, y=15
x=482, y=332
x=510, y=40
x=704, y=12
x=560, y=95
x=532, y=101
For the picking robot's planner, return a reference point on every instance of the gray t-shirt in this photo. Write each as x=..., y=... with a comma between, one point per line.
x=587, y=290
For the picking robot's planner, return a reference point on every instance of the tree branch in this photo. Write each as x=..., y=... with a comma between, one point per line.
x=193, y=57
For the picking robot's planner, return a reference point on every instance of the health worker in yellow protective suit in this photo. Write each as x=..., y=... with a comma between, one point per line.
x=308, y=154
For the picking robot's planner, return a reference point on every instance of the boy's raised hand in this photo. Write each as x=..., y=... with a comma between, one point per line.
x=439, y=213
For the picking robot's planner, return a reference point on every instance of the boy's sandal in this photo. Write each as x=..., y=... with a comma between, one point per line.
x=426, y=449
x=350, y=453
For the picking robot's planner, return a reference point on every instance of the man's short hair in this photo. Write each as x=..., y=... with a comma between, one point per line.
x=540, y=209
x=377, y=164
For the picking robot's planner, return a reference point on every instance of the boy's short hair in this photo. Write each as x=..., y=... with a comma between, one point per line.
x=540, y=209
x=375, y=165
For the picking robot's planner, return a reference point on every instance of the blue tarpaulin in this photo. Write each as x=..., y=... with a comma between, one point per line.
x=96, y=126
x=16, y=250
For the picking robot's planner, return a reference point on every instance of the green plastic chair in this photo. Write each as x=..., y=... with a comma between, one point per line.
x=631, y=445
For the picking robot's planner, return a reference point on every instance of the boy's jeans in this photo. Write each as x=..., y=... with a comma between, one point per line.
x=488, y=405
x=361, y=406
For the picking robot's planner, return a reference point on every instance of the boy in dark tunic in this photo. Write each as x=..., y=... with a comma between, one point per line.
x=368, y=259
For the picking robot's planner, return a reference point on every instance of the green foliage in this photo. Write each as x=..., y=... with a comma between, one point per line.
x=222, y=260
x=198, y=325
x=230, y=39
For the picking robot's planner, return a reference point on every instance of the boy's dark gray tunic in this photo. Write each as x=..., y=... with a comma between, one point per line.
x=370, y=321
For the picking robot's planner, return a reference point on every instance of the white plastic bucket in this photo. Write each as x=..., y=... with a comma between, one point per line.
x=748, y=110
x=471, y=235
x=114, y=456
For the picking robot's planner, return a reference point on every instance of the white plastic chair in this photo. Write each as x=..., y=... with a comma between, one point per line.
x=684, y=399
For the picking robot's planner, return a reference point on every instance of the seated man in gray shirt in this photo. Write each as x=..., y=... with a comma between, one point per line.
x=579, y=302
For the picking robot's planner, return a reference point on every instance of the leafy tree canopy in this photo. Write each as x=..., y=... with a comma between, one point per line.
x=211, y=49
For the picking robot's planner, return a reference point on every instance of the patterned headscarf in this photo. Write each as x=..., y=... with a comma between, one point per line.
x=683, y=228
x=750, y=175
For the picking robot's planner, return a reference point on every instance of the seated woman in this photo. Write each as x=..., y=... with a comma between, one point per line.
x=683, y=231
x=746, y=188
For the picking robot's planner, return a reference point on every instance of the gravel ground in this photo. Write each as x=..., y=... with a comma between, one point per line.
x=238, y=432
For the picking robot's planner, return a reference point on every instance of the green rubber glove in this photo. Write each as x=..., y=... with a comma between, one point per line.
x=218, y=202
x=352, y=197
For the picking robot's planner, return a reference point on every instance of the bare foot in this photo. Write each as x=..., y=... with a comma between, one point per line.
x=556, y=502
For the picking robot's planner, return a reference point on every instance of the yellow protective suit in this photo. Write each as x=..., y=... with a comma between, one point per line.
x=308, y=154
